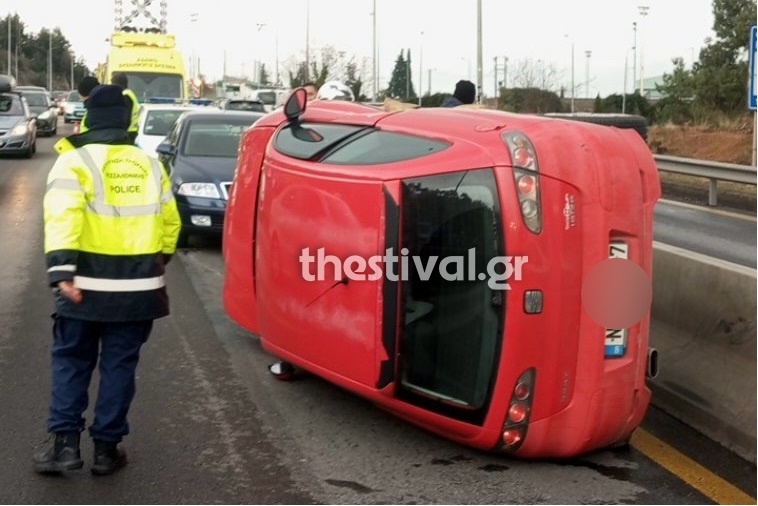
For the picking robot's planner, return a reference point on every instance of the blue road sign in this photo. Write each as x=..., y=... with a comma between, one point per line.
x=753, y=80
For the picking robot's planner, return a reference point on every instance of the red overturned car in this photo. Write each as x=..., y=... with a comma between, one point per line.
x=431, y=260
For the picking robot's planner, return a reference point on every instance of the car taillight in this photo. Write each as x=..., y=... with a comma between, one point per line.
x=519, y=410
x=526, y=177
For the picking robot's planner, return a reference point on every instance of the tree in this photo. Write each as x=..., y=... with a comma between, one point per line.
x=529, y=100
x=717, y=83
x=530, y=74
x=263, y=78
x=678, y=91
x=401, y=84
x=354, y=81
x=33, y=49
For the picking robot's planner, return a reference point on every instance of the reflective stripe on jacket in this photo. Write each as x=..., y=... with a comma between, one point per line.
x=110, y=222
x=134, y=121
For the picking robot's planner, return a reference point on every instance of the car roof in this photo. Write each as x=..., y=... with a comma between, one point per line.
x=31, y=88
x=169, y=107
x=222, y=113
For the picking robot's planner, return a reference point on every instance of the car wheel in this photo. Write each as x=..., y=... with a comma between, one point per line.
x=55, y=129
x=29, y=151
x=34, y=146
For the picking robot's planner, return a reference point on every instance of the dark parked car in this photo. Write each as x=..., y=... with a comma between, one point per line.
x=200, y=153
x=18, y=125
x=42, y=107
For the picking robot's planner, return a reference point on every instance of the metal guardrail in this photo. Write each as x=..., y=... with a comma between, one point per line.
x=713, y=171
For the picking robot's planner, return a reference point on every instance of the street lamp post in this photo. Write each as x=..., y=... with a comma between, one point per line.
x=643, y=12
x=307, y=40
x=375, y=64
x=9, y=44
x=587, y=53
x=479, y=73
x=572, y=73
x=50, y=60
x=420, y=70
x=634, y=62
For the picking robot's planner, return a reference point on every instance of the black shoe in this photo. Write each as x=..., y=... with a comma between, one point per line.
x=64, y=455
x=109, y=458
x=282, y=371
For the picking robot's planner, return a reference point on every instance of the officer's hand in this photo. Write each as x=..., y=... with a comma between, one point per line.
x=71, y=292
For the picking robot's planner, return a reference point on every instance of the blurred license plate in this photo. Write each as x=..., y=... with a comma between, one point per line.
x=615, y=339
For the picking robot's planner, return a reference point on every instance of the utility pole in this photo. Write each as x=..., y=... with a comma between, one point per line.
x=307, y=40
x=18, y=40
x=634, y=62
x=479, y=73
x=643, y=12
x=429, y=83
x=587, y=53
x=375, y=64
x=50, y=60
x=71, y=56
x=420, y=71
x=9, y=44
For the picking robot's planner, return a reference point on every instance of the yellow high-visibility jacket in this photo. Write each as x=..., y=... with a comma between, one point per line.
x=111, y=224
x=134, y=120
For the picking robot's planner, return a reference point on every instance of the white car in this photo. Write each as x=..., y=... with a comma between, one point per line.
x=155, y=121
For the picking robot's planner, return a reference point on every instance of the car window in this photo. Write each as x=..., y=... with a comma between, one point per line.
x=36, y=99
x=384, y=147
x=206, y=137
x=160, y=122
x=73, y=96
x=10, y=106
x=452, y=331
x=290, y=144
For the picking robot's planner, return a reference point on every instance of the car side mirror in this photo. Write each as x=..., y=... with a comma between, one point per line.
x=164, y=148
x=295, y=105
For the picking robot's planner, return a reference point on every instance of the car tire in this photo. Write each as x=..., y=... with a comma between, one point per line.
x=29, y=151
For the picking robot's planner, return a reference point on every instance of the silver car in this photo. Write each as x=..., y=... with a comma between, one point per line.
x=18, y=125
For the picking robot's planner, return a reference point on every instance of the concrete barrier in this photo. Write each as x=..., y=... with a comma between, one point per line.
x=704, y=327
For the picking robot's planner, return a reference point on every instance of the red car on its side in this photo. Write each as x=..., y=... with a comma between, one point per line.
x=522, y=369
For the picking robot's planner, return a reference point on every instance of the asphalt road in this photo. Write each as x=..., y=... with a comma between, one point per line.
x=209, y=425
x=727, y=236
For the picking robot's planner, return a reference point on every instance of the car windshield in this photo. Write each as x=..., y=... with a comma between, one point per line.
x=160, y=122
x=147, y=85
x=10, y=106
x=36, y=99
x=241, y=105
x=73, y=96
x=217, y=138
x=267, y=97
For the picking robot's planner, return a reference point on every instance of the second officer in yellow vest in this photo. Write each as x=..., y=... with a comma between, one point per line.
x=132, y=104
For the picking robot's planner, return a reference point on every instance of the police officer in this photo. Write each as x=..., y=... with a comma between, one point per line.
x=111, y=225
x=86, y=85
x=120, y=79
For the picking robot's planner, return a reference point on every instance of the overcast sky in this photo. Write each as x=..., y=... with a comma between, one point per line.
x=534, y=30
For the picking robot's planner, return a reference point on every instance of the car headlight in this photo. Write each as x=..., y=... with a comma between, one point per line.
x=44, y=115
x=207, y=190
x=19, y=129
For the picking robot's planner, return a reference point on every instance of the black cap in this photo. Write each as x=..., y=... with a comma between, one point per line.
x=86, y=85
x=465, y=91
x=106, y=108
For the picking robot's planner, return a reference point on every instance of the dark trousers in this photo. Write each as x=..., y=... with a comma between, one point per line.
x=75, y=354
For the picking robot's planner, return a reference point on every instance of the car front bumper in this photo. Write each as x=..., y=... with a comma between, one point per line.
x=195, y=210
x=13, y=144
